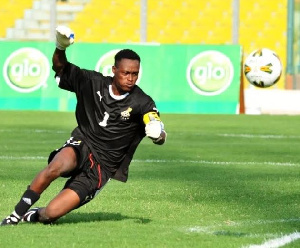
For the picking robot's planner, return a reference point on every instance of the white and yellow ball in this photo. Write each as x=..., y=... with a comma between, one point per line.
x=263, y=68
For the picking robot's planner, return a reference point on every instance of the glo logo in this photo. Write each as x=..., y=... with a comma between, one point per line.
x=26, y=70
x=210, y=73
x=107, y=60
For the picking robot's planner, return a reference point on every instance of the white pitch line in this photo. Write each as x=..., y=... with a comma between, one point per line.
x=214, y=162
x=272, y=243
x=32, y=131
x=169, y=161
x=278, y=242
x=262, y=136
x=211, y=229
x=23, y=157
x=242, y=135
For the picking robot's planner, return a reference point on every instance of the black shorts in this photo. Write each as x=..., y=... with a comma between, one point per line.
x=89, y=177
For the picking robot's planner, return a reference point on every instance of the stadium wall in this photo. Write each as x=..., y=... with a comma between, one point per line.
x=272, y=101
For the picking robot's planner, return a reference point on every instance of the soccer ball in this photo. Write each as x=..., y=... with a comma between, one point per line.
x=262, y=68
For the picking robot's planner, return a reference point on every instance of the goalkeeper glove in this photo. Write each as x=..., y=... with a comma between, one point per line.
x=64, y=37
x=153, y=129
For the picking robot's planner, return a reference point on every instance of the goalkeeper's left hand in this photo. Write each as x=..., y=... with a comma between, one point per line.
x=154, y=129
x=64, y=37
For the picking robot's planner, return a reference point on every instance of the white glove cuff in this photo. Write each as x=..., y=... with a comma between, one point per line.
x=59, y=46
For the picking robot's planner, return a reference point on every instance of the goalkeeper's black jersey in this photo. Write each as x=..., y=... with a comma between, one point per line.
x=111, y=125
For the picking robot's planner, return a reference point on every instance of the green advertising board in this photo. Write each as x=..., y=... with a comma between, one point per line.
x=180, y=78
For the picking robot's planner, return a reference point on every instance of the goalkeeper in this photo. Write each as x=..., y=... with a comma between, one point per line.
x=113, y=115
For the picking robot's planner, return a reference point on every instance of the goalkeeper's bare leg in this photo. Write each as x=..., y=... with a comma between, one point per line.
x=63, y=203
x=63, y=162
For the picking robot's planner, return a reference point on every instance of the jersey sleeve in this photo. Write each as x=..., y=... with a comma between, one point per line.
x=73, y=77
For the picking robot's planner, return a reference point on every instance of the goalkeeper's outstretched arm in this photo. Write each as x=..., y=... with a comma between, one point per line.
x=64, y=38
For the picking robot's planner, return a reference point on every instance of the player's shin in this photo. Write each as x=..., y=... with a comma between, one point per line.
x=27, y=200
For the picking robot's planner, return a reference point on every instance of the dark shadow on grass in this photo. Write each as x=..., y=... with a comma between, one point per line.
x=99, y=217
x=230, y=234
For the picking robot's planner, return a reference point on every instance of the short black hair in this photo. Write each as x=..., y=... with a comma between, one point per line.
x=126, y=54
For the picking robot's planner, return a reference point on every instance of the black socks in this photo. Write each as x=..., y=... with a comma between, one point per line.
x=27, y=200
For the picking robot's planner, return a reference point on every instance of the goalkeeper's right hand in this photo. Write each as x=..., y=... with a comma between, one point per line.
x=64, y=37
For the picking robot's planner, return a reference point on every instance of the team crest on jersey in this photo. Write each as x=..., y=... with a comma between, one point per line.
x=125, y=115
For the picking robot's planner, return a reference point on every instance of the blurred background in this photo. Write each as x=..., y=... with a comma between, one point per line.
x=252, y=24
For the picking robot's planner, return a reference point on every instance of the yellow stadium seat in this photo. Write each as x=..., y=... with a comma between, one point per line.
x=184, y=21
x=9, y=13
x=263, y=24
x=108, y=20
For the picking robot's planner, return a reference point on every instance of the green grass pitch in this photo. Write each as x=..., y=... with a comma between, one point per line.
x=219, y=181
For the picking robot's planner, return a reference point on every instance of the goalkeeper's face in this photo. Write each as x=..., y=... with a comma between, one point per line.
x=126, y=73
